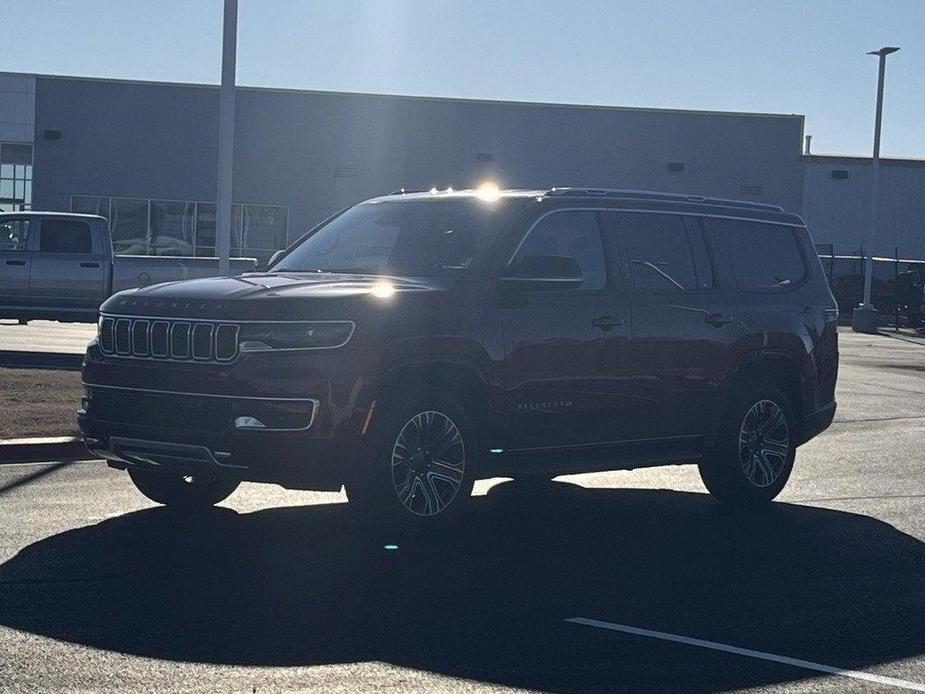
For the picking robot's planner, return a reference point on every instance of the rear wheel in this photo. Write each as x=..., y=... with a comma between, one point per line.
x=183, y=491
x=754, y=456
x=423, y=466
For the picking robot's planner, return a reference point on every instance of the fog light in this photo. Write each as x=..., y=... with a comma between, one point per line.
x=248, y=423
x=84, y=405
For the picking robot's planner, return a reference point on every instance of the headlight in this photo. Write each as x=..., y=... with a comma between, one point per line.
x=262, y=337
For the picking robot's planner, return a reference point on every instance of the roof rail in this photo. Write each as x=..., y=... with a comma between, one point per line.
x=655, y=195
x=402, y=191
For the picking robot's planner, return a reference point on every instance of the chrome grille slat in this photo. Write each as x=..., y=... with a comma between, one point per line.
x=140, y=335
x=201, y=346
x=159, y=339
x=123, y=341
x=179, y=336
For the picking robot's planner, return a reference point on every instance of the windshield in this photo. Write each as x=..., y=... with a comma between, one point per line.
x=414, y=238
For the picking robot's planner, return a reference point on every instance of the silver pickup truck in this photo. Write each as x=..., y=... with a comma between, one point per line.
x=60, y=266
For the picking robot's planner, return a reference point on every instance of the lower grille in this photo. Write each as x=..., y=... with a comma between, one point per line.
x=204, y=413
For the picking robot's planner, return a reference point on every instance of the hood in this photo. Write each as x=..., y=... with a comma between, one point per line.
x=269, y=293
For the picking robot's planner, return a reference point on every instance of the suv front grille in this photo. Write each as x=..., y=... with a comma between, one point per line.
x=168, y=339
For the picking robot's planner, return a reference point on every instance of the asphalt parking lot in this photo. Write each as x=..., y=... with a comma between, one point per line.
x=277, y=591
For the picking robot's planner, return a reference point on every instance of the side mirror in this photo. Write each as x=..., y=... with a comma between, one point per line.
x=534, y=273
x=276, y=256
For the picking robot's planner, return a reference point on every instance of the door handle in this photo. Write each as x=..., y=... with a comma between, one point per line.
x=718, y=319
x=89, y=265
x=606, y=322
x=15, y=262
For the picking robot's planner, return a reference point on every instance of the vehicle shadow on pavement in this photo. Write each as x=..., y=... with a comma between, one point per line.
x=486, y=599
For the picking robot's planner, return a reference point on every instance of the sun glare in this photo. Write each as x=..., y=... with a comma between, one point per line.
x=488, y=191
x=383, y=290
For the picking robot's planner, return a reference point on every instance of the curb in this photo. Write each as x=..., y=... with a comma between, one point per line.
x=40, y=360
x=43, y=450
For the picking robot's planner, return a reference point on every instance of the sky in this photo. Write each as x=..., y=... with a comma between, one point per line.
x=774, y=56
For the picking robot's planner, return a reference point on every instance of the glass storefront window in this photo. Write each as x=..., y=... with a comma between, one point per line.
x=15, y=177
x=205, y=229
x=265, y=227
x=171, y=228
x=89, y=204
x=128, y=226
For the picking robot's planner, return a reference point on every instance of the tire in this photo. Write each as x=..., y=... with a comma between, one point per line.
x=422, y=465
x=754, y=455
x=183, y=492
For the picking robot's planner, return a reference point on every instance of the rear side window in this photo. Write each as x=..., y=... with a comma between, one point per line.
x=665, y=253
x=65, y=236
x=764, y=257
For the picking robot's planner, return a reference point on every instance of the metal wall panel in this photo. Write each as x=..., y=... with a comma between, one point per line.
x=317, y=152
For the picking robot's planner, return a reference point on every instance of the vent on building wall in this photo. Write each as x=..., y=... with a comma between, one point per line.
x=751, y=188
x=346, y=172
x=676, y=166
x=484, y=156
x=840, y=174
x=52, y=134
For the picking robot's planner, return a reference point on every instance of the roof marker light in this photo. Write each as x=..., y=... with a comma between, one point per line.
x=382, y=290
x=488, y=191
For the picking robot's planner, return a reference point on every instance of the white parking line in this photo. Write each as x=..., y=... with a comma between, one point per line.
x=761, y=655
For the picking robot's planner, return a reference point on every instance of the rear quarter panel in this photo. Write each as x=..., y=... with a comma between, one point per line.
x=797, y=325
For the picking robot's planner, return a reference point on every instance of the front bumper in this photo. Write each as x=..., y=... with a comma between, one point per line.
x=177, y=433
x=817, y=422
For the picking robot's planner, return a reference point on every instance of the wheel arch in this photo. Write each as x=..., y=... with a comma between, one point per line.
x=773, y=368
x=462, y=380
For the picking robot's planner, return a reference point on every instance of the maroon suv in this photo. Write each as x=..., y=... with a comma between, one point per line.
x=419, y=341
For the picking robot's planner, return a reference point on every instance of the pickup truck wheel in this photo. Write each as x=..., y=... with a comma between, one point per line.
x=183, y=491
x=423, y=465
x=754, y=456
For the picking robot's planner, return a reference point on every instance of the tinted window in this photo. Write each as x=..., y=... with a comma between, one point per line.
x=571, y=233
x=417, y=238
x=764, y=256
x=665, y=253
x=14, y=235
x=65, y=236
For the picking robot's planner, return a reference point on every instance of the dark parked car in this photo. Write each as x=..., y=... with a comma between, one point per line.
x=905, y=292
x=419, y=341
x=848, y=291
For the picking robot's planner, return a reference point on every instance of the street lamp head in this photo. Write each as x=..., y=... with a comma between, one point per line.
x=886, y=50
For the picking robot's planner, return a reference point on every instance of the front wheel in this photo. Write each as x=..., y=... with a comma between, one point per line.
x=423, y=465
x=187, y=492
x=754, y=456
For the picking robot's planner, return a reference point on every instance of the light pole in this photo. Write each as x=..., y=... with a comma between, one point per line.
x=226, y=139
x=864, y=319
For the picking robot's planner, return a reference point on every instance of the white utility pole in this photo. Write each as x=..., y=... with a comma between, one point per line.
x=864, y=318
x=226, y=139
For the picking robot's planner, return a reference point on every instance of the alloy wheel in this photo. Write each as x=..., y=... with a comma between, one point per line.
x=764, y=443
x=428, y=463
